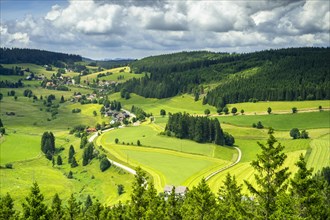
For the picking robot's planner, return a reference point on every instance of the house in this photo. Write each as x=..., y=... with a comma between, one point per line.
x=179, y=190
x=90, y=130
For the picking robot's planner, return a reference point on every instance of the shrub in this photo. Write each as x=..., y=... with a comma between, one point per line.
x=294, y=133
x=104, y=164
x=120, y=189
x=9, y=165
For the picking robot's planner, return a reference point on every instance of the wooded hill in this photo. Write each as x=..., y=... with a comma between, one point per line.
x=283, y=74
x=39, y=57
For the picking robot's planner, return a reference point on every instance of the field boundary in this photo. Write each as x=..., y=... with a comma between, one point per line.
x=128, y=169
x=226, y=167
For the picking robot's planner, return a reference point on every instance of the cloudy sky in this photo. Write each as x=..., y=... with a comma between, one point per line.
x=137, y=28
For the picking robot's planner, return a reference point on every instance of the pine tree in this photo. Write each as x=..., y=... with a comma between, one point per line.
x=74, y=162
x=173, y=206
x=230, y=196
x=57, y=211
x=71, y=154
x=271, y=177
x=33, y=207
x=59, y=160
x=73, y=209
x=7, y=207
x=305, y=191
x=199, y=203
x=1, y=124
x=83, y=141
x=138, y=201
x=62, y=99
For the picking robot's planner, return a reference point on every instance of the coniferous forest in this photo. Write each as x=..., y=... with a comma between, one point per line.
x=39, y=57
x=276, y=195
x=199, y=129
x=272, y=75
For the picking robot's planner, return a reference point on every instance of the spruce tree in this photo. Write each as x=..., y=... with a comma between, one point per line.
x=74, y=162
x=271, y=177
x=138, y=201
x=34, y=207
x=57, y=211
x=199, y=203
x=7, y=210
x=71, y=154
x=1, y=124
x=72, y=209
x=231, y=205
x=59, y=160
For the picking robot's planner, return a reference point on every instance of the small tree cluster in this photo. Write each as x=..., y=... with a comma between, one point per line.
x=104, y=164
x=296, y=134
x=258, y=125
x=48, y=144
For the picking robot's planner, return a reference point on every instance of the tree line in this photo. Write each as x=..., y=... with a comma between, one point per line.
x=283, y=74
x=274, y=196
x=199, y=129
x=39, y=57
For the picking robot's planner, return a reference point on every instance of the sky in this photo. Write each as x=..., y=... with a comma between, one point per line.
x=108, y=29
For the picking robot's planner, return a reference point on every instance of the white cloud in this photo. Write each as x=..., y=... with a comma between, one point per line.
x=15, y=39
x=122, y=28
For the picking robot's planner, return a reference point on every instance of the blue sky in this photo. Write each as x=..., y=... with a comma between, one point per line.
x=136, y=28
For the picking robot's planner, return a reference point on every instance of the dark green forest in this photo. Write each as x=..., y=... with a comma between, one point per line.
x=39, y=57
x=282, y=74
x=199, y=129
x=276, y=195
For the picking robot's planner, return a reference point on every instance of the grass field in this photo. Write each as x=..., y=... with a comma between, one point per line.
x=320, y=154
x=36, y=69
x=184, y=103
x=167, y=160
x=309, y=120
x=278, y=107
x=122, y=72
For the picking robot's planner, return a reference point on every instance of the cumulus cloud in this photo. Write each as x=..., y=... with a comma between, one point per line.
x=130, y=27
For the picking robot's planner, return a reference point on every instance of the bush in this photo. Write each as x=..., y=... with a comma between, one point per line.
x=9, y=165
x=259, y=125
x=294, y=133
x=116, y=140
x=120, y=189
x=70, y=175
x=229, y=139
x=104, y=164
x=294, y=110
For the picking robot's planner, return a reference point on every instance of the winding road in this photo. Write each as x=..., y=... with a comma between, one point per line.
x=226, y=167
x=132, y=171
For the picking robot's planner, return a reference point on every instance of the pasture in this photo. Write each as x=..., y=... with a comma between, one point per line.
x=120, y=74
x=279, y=106
x=184, y=103
x=306, y=120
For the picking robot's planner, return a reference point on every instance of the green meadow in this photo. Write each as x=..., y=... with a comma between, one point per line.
x=279, y=106
x=183, y=103
x=305, y=120
x=120, y=74
x=167, y=160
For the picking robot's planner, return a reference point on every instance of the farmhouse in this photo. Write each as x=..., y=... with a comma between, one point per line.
x=90, y=130
x=179, y=191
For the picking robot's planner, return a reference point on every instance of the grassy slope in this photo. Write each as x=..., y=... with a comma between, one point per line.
x=21, y=147
x=308, y=120
x=115, y=74
x=278, y=106
x=184, y=103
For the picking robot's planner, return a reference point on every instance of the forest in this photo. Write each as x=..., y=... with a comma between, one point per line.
x=199, y=129
x=39, y=57
x=283, y=74
x=302, y=196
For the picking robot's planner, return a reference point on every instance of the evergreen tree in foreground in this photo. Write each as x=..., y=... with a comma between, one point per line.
x=271, y=177
x=34, y=207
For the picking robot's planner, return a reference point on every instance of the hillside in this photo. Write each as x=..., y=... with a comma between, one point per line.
x=276, y=75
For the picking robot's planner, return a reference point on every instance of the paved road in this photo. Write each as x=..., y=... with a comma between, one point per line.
x=227, y=167
x=128, y=169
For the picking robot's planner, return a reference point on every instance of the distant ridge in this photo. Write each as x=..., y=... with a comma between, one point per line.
x=35, y=56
